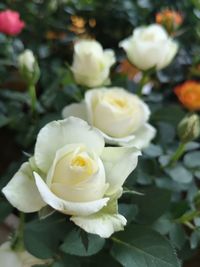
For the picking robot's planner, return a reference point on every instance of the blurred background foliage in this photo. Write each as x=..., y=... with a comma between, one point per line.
x=52, y=26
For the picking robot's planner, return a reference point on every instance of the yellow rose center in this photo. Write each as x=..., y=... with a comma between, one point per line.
x=78, y=162
x=117, y=102
x=82, y=163
x=74, y=168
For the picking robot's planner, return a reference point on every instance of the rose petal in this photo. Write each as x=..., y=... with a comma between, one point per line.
x=102, y=224
x=70, y=208
x=119, y=162
x=57, y=134
x=76, y=110
x=143, y=136
x=123, y=141
x=22, y=192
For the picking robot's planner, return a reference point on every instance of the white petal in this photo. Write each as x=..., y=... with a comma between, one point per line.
x=125, y=44
x=143, y=136
x=109, y=57
x=71, y=208
x=70, y=187
x=123, y=141
x=22, y=191
x=119, y=162
x=57, y=134
x=102, y=224
x=76, y=110
x=171, y=52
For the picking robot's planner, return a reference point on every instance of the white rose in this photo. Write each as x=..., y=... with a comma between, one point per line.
x=11, y=258
x=91, y=64
x=27, y=60
x=73, y=172
x=150, y=47
x=120, y=116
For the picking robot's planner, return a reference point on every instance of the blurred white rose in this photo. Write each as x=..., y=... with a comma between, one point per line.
x=120, y=116
x=150, y=47
x=91, y=64
x=73, y=172
x=11, y=258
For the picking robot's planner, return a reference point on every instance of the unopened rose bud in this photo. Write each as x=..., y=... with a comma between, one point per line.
x=28, y=67
x=170, y=19
x=189, y=128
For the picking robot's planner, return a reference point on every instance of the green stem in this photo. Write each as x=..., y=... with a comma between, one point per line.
x=179, y=152
x=190, y=225
x=9, y=47
x=33, y=97
x=18, y=240
x=142, y=83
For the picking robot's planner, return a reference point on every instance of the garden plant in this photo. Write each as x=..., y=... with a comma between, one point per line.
x=99, y=133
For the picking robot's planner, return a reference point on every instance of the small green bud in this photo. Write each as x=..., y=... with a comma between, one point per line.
x=28, y=67
x=189, y=128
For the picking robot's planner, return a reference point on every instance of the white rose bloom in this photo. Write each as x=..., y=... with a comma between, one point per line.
x=91, y=64
x=150, y=47
x=27, y=60
x=11, y=258
x=73, y=172
x=120, y=116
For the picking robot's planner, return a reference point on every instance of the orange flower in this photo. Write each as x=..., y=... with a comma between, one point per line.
x=188, y=94
x=170, y=19
x=128, y=69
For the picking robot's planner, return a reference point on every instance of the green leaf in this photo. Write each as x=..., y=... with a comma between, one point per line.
x=139, y=246
x=194, y=239
x=152, y=205
x=129, y=211
x=5, y=210
x=66, y=260
x=166, y=133
x=145, y=171
x=177, y=236
x=153, y=151
x=163, y=224
x=16, y=96
x=42, y=237
x=3, y=120
x=179, y=174
x=191, y=146
x=84, y=239
x=58, y=264
x=73, y=244
x=102, y=259
x=197, y=174
x=192, y=159
x=166, y=114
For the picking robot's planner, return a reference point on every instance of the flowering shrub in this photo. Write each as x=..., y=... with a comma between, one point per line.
x=99, y=117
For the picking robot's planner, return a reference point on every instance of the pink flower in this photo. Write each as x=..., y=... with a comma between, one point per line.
x=10, y=22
